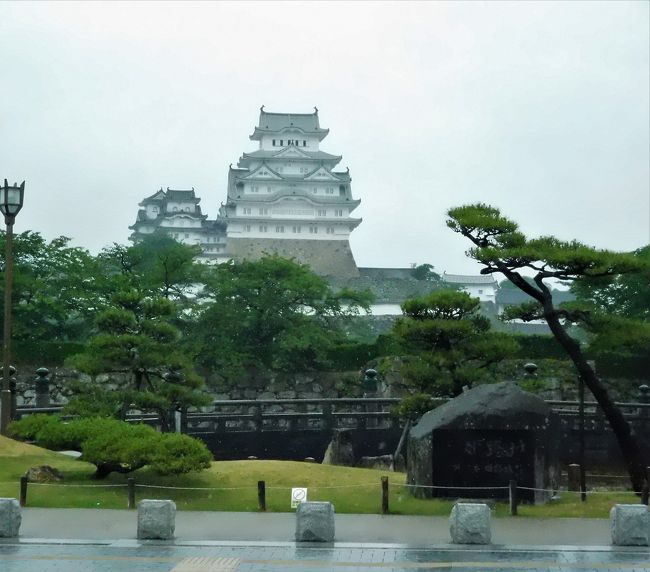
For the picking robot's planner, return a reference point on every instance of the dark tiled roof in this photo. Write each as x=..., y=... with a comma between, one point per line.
x=158, y=196
x=266, y=154
x=277, y=121
x=465, y=279
x=181, y=195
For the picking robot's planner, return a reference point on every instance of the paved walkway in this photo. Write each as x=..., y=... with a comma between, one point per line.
x=86, y=540
x=248, y=526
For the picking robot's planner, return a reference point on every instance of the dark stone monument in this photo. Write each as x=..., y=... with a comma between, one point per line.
x=486, y=437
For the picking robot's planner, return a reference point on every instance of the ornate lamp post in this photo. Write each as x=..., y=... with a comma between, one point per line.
x=11, y=201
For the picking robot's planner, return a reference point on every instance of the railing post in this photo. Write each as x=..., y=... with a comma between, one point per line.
x=130, y=482
x=328, y=418
x=261, y=495
x=384, y=495
x=257, y=418
x=514, y=499
x=42, y=387
x=23, y=491
x=644, y=397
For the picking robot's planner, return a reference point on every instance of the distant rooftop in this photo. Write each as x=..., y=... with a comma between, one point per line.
x=466, y=279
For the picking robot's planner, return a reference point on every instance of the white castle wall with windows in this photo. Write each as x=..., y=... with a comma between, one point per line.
x=285, y=197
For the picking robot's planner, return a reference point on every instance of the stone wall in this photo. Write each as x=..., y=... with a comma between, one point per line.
x=324, y=257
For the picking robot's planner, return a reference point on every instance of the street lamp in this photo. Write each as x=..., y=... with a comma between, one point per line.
x=11, y=201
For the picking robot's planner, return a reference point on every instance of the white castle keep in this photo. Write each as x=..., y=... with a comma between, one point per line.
x=284, y=197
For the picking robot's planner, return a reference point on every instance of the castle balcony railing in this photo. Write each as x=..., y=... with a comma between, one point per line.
x=247, y=415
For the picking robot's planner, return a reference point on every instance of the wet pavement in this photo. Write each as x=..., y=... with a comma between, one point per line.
x=89, y=540
x=85, y=556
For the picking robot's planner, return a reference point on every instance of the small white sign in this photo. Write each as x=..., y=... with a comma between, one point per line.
x=298, y=496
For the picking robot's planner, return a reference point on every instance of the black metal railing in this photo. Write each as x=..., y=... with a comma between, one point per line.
x=239, y=415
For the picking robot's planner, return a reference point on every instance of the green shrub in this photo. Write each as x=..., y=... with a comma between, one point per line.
x=412, y=407
x=116, y=446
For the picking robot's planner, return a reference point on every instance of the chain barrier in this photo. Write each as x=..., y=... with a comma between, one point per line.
x=589, y=492
x=319, y=487
x=75, y=486
x=448, y=487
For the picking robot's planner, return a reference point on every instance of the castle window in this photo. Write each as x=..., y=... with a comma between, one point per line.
x=187, y=235
x=262, y=228
x=247, y=210
x=480, y=291
x=254, y=189
x=273, y=142
x=313, y=230
x=248, y=228
x=338, y=212
x=321, y=212
x=281, y=143
x=279, y=229
x=296, y=229
x=304, y=143
x=329, y=190
x=268, y=189
x=263, y=211
x=330, y=230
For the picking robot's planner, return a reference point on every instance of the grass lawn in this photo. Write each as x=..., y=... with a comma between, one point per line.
x=235, y=483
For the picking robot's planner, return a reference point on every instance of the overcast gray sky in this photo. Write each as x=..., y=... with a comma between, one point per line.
x=540, y=108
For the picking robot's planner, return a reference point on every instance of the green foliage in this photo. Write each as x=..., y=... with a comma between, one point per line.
x=425, y=272
x=412, y=407
x=450, y=343
x=158, y=265
x=270, y=315
x=56, y=289
x=137, y=339
x=116, y=446
x=500, y=247
x=627, y=296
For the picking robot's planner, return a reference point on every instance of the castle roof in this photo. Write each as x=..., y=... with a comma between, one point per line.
x=277, y=122
x=183, y=196
x=466, y=279
x=269, y=154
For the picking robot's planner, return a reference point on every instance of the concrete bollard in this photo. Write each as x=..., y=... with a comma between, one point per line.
x=469, y=523
x=315, y=522
x=10, y=518
x=156, y=519
x=630, y=524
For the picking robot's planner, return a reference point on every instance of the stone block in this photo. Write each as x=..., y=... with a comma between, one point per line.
x=630, y=524
x=156, y=519
x=315, y=522
x=469, y=523
x=10, y=518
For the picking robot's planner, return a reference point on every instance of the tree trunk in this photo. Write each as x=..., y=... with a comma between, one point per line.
x=105, y=469
x=618, y=423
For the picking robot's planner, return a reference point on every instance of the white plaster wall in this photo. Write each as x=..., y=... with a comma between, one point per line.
x=185, y=207
x=152, y=211
x=484, y=292
x=266, y=142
